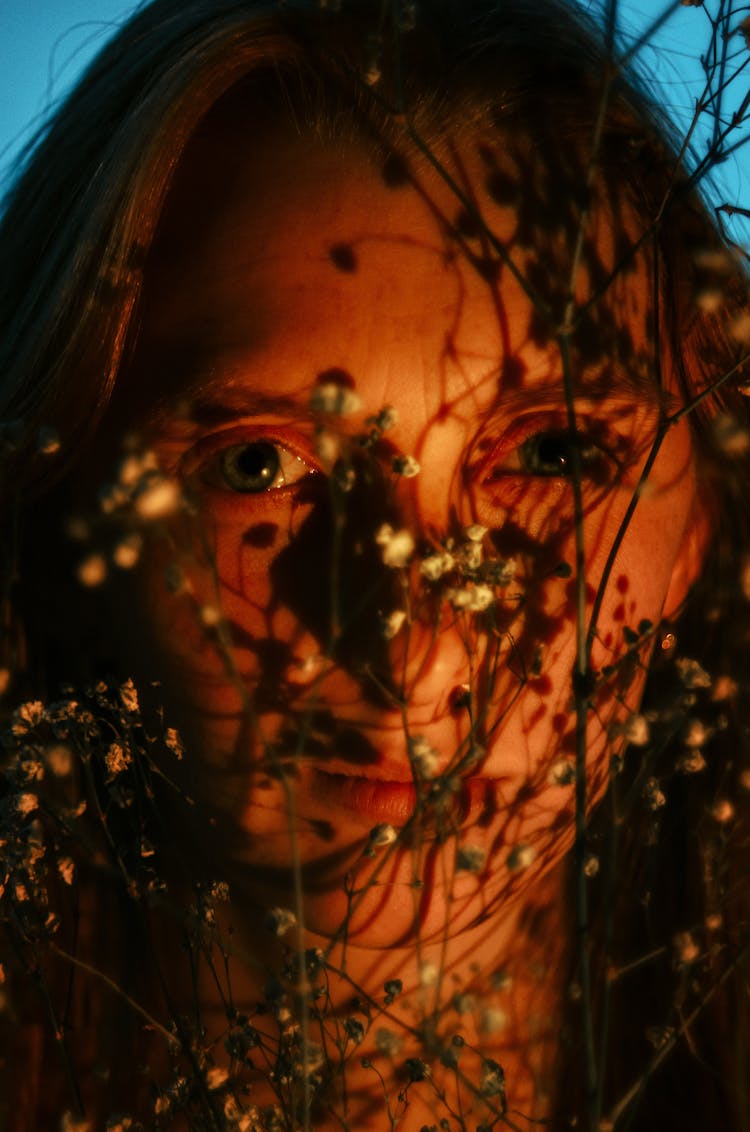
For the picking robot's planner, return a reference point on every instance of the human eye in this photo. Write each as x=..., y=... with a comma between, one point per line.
x=254, y=464
x=542, y=446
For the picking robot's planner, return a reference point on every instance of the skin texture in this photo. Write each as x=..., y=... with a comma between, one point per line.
x=312, y=270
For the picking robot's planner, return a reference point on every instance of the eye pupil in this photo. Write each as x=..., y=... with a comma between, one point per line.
x=251, y=467
x=547, y=454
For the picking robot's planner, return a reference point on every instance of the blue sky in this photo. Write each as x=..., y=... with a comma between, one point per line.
x=45, y=43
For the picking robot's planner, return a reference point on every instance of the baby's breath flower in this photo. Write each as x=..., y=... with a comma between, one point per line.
x=173, y=742
x=686, y=948
x=434, y=567
x=654, y=795
x=129, y=696
x=210, y=615
x=637, y=731
x=470, y=858
x=329, y=397
x=397, y=547
x=696, y=733
x=59, y=760
x=520, y=857
x=390, y=623
x=47, y=441
x=692, y=762
x=219, y=890
x=692, y=674
x=429, y=973
x=158, y=498
x=382, y=835
x=423, y=757
x=216, y=1076
x=471, y=598
x=470, y=556
x=66, y=868
x=117, y=759
x=499, y=571
x=387, y=418
x=475, y=532
x=493, y=1019
x=562, y=773
x=27, y=716
x=722, y=811
x=327, y=447
x=417, y=1069
x=26, y=803
x=492, y=1083
x=406, y=466
x=118, y=1124
x=279, y=921
x=128, y=551
x=92, y=571
x=354, y=1030
x=591, y=865
x=723, y=688
x=730, y=435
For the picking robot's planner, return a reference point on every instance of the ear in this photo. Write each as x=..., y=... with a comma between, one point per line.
x=690, y=557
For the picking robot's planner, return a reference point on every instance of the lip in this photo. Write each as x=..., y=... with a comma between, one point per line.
x=372, y=801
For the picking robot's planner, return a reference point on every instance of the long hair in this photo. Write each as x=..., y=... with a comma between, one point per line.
x=77, y=229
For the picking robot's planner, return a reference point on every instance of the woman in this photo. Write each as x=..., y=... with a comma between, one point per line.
x=360, y=377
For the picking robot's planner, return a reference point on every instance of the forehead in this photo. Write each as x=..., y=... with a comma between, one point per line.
x=305, y=257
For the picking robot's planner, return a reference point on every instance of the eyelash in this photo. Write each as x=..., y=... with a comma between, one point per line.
x=519, y=452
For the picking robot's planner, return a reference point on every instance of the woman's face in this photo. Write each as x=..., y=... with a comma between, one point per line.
x=330, y=677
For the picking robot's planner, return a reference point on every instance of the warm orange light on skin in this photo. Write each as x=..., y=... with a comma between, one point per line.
x=248, y=299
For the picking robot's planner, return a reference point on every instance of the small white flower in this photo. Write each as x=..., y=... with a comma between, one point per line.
x=158, y=498
x=173, y=742
x=692, y=762
x=127, y=552
x=210, y=615
x=66, y=869
x=686, y=948
x=216, y=1076
x=117, y=759
x=92, y=571
x=391, y=623
x=475, y=532
x=382, y=835
x=387, y=418
x=492, y=1083
x=25, y=804
x=696, y=733
x=59, y=760
x=692, y=674
x=520, y=857
x=434, y=567
x=329, y=397
x=470, y=555
x=562, y=773
x=406, y=466
x=279, y=921
x=327, y=447
x=493, y=1019
x=655, y=798
x=397, y=547
x=129, y=696
x=591, y=865
x=637, y=731
x=722, y=811
x=429, y=973
x=424, y=758
x=723, y=688
x=471, y=598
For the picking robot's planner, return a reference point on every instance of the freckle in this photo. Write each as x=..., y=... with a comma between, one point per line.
x=619, y=613
x=622, y=584
x=343, y=257
x=262, y=535
x=542, y=685
x=608, y=641
x=559, y=722
x=632, y=607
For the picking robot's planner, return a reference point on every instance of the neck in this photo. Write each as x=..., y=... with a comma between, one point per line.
x=407, y=1034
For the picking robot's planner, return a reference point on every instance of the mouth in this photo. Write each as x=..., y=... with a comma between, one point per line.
x=368, y=802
